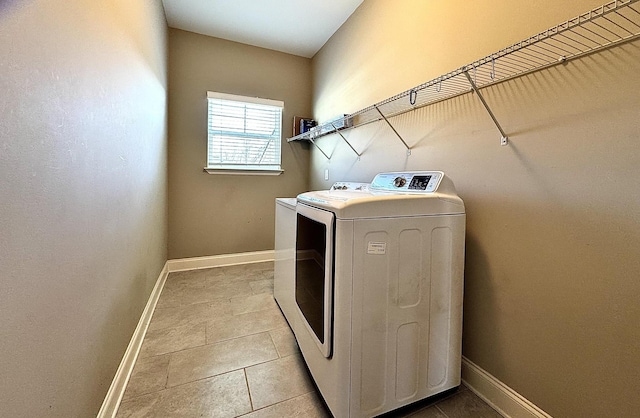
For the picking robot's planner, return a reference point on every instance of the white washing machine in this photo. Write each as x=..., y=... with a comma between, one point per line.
x=378, y=291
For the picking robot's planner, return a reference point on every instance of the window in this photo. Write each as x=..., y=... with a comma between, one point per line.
x=244, y=134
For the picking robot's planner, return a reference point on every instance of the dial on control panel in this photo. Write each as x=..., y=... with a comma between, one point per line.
x=399, y=181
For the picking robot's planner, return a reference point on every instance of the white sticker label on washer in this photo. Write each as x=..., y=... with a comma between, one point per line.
x=377, y=248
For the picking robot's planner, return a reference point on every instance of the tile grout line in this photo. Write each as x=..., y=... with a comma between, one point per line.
x=205, y=333
x=166, y=378
x=246, y=381
x=190, y=382
x=274, y=344
x=218, y=342
x=441, y=411
x=278, y=403
x=220, y=374
x=215, y=342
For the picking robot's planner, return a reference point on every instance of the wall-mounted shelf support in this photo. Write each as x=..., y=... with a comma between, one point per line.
x=345, y=140
x=319, y=149
x=504, y=140
x=394, y=130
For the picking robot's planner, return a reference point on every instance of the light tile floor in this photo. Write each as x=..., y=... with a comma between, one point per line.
x=218, y=346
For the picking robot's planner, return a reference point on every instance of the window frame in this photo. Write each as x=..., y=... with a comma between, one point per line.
x=244, y=169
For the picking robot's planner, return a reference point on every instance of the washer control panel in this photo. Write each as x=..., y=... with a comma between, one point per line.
x=350, y=185
x=410, y=182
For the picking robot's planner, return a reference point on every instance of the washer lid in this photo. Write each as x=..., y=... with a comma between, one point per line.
x=391, y=195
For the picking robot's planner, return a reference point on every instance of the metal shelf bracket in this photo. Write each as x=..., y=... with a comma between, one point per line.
x=319, y=149
x=504, y=139
x=345, y=140
x=394, y=130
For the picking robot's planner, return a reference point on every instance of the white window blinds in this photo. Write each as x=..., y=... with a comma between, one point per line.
x=244, y=133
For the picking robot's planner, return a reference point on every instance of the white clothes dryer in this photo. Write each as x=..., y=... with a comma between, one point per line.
x=285, y=243
x=284, y=259
x=378, y=291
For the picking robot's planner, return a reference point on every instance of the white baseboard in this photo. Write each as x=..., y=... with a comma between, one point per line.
x=118, y=385
x=220, y=260
x=501, y=397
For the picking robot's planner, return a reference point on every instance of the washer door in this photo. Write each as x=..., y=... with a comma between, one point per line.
x=314, y=273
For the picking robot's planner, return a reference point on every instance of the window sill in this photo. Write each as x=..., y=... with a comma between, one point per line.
x=242, y=172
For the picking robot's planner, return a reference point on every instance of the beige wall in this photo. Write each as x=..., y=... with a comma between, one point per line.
x=82, y=195
x=222, y=214
x=551, y=277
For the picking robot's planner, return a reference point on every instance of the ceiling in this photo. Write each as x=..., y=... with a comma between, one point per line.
x=298, y=27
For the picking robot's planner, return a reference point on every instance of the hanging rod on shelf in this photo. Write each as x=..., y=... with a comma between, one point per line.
x=611, y=24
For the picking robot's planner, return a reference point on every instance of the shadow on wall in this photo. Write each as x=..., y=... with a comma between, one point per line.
x=477, y=281
x=7, y=5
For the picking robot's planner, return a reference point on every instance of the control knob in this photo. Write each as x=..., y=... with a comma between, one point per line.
x=399, y=181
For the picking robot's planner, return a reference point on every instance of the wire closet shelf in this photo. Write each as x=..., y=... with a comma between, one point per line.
x=611, y=24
